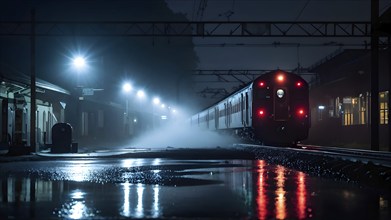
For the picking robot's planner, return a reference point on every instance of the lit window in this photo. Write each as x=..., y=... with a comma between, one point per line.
x=383, y=107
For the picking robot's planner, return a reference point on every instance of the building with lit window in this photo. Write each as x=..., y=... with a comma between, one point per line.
x=15, y=105
x=340, y=99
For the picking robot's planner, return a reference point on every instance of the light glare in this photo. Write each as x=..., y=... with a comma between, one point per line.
x=141, y=94
x=127, y=87
x=79, y=62
x=156, y=101
x=280, y=78
x=280, y=93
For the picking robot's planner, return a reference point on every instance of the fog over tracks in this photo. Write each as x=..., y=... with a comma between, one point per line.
x=181, y=134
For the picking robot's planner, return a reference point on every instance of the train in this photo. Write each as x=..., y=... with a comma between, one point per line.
x=271, y=109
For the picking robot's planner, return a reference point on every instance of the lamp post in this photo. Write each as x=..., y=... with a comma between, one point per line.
x=127, y=88
x=79, y=63
x=156, y=101
x=140, y=96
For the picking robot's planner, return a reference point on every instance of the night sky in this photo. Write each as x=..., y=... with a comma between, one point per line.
x=159, y=65
x=152, y=64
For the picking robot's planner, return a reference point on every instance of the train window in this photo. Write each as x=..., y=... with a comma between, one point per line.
x=383, y=107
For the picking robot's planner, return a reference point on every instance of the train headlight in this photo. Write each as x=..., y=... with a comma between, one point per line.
x=280, y=93
x=280, y=78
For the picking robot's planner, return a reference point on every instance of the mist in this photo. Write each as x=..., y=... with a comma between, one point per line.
x=180, y=134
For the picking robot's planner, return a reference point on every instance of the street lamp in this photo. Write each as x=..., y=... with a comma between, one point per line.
x=79, y=63
x=141, y=113
x=127, y=88
x=321, y=108
x=140, y=94
x=156, y=101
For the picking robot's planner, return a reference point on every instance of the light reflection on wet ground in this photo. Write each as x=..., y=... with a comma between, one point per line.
x=158, y=188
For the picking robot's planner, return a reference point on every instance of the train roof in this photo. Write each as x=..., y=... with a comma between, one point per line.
x=245, y=86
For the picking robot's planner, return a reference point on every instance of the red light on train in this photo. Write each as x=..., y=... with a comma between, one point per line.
x=261, y=112
x=300, y=112
x=280, y=78
x=262, y=84
x=299, y=84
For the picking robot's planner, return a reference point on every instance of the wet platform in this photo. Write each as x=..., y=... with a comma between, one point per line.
x=179, y=183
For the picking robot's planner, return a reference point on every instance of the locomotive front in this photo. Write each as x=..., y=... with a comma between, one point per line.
x=280, y=108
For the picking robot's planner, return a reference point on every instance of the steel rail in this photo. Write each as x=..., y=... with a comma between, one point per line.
x=354, y=155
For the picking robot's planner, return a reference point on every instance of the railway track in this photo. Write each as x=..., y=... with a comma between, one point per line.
x=354, y=155
x=370, y=167
x=376, y=157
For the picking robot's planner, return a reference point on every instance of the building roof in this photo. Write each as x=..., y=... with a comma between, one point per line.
x=16, y=81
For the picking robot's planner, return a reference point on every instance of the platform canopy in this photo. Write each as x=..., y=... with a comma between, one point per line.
x=14, y=81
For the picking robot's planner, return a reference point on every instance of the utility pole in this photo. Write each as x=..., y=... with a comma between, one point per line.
x=389, y=94
x=374, y=76
x=32, y=86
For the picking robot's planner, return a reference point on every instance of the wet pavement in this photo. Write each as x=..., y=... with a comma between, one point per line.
x=191, y=186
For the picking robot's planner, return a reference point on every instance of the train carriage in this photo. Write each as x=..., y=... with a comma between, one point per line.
x=274, y=108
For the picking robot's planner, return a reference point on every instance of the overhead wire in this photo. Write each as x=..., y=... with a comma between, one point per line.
x=302, y=10
x=298, y=45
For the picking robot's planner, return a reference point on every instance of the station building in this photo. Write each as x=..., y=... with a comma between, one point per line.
x=340, y=99
x=15, y=102
x=93, y=120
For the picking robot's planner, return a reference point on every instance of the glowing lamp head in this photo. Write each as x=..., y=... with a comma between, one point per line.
x=140, y=94
x=79, y=62
x=156, y=101
x=127, y=87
